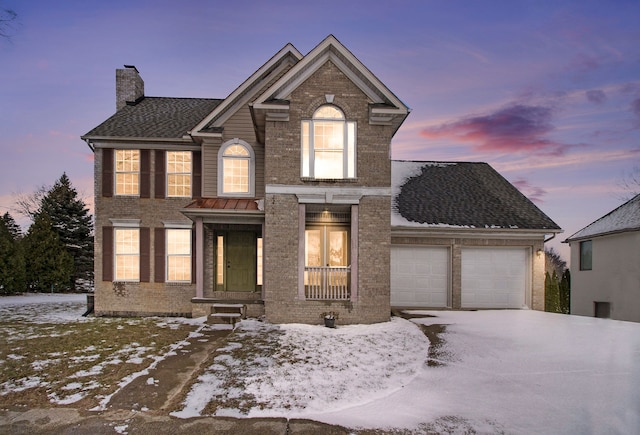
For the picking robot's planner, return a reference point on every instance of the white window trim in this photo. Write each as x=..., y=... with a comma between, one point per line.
x=167, y=173
x=252, y=169
x=124, y=224
x=116, y=172
x=166, y=254
x=347, y=152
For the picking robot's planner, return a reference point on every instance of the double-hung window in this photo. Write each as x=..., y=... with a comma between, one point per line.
x=179, y=173
x=127, y=254
x=178, y=255
x=328, y=145
x=127, y=170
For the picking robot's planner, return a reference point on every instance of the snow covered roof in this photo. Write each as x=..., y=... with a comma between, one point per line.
x=460, y=195
x=624, y=218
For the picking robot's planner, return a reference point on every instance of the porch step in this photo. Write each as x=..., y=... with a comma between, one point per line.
x=227, y=313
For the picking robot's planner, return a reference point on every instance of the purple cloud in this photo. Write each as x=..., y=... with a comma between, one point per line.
x=515, y=128
x=596, y=96
x=635, y=107
x=534, y=193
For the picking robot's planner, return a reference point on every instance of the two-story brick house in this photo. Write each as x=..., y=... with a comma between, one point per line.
x=278, y=196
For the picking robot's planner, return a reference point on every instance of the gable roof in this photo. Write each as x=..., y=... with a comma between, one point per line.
x=385, y=108
x=622, y=219
x=278, y=63
x=331, y=49
x=460, y=195
x=154, y=118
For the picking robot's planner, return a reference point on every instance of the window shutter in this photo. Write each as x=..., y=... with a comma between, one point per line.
x=144, y=255
x=145, y=173
x=158, y=251
x=196, y=169
x=107, y=172
x=160, y=182
x=107, y=253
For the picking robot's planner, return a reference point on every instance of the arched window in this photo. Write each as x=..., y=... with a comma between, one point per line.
x=328, y=145
x=236, y=167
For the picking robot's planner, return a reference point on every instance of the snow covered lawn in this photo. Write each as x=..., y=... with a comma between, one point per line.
x=515, y=372
x=51, y=355
x=496, y=372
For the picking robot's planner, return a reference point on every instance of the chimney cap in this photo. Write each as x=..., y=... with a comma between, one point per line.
x=132, y=67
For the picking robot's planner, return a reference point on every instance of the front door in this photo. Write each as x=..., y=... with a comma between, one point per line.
x=241, y=261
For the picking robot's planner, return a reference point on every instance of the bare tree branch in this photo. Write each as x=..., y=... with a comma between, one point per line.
x=630, y=183
x=28, y=204
x=7, y=21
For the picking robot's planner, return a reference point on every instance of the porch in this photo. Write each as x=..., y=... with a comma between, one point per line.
x=327, y=283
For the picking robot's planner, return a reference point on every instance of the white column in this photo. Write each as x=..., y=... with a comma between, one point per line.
x=199, y=258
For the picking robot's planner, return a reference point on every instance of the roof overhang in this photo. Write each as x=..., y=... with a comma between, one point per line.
x=224, y=216
x=470, y=233
x=246, y=91
x=594, y=236
x=385, y=107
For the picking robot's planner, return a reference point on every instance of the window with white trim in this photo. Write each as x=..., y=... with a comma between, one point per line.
x=328, y=145
x=127, y=169
x=236, y=169
x=179, y=173
x=178, y=255
x=127, y=254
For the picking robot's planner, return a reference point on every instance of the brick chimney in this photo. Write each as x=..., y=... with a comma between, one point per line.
x=129, y=86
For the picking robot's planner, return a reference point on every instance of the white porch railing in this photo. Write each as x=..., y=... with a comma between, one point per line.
x=327, y=283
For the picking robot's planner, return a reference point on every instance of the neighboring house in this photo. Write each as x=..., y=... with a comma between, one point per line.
x=605, y=259
x=280, y=197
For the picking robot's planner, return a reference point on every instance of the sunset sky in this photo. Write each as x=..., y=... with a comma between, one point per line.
x=547, y=92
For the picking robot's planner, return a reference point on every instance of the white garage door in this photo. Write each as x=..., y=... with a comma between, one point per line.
x=494, y=277
x=419, y=276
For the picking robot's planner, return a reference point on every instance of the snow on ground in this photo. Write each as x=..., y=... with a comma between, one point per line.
x=507, y=371
x=519, y=372
x=44, y=307
x=300, y=369
x=501, y=372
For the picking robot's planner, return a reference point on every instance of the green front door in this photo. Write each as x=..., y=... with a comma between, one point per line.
x=241, y=261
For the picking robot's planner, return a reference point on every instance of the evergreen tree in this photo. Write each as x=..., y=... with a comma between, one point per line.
x=70, y=219
x=12, y=266
x=551, y=293
x=49, y=266
x=565, y=292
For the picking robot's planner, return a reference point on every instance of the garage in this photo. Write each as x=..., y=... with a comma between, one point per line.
x=419, y=276
x=494, y=277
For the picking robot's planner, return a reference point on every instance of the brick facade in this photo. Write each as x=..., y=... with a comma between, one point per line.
x=266, y=113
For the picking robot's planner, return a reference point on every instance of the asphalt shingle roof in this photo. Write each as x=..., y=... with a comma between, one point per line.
x=156, y=117
x=470, y=195
x=624, y=218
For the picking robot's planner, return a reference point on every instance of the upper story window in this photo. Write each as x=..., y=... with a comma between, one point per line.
x=236, y=163
x=586, y=255
x=179, y=173
x=328, y=145
x=127, y=172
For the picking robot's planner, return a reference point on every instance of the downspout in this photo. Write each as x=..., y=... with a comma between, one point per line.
x=553, y=236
